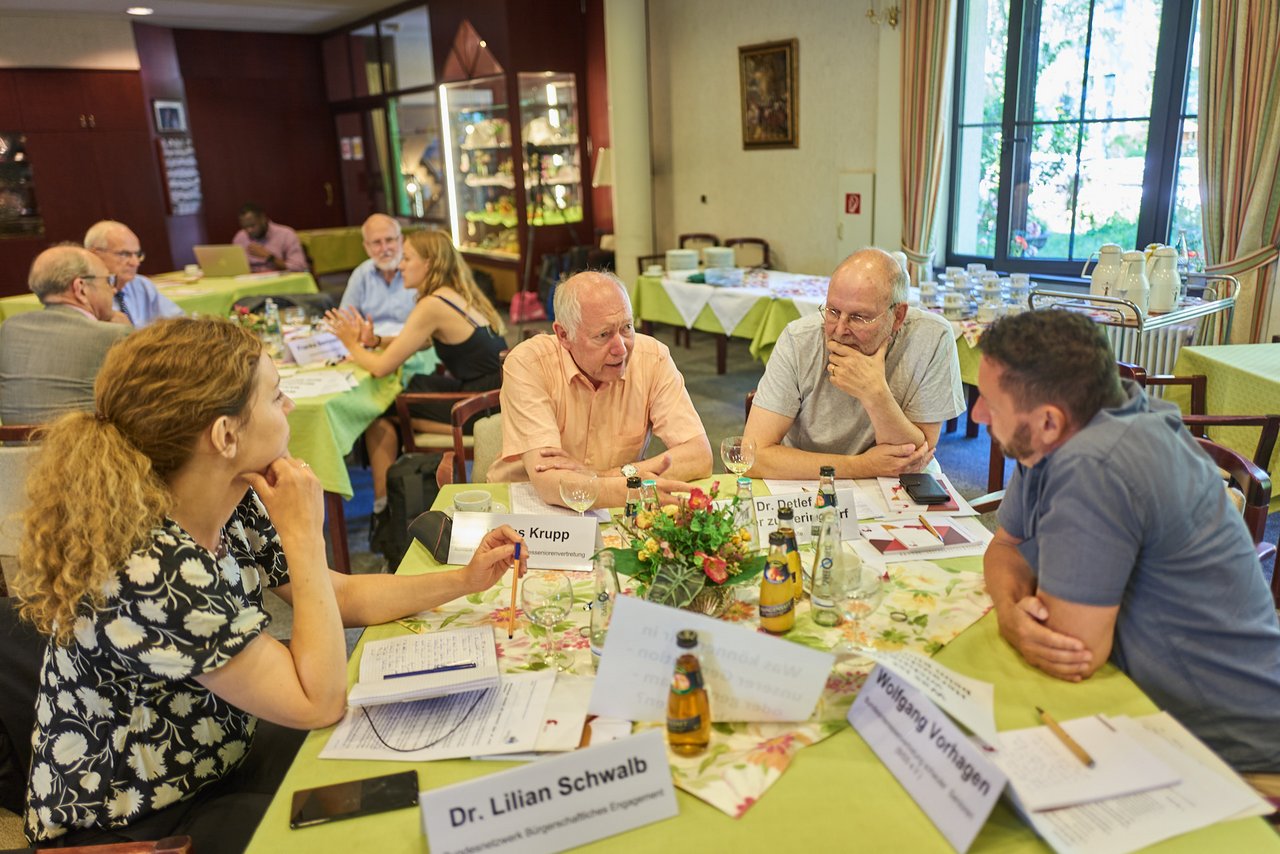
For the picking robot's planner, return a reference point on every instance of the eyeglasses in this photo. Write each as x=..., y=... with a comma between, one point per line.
x=111, y=279
x=833, y=315
x=126, y=254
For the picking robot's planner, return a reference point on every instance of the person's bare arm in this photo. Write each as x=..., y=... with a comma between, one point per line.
x=546, y=467
x=773, y=459
x=348, y=325
x=1053, y=641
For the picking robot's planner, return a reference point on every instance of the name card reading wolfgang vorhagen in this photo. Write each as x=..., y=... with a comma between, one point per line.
x=802, y=504
x=750, y=676
x=945, y=773
x=555, y=804
x=554, y=542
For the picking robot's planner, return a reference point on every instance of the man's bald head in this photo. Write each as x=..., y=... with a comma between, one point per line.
x=590, y=287
x=875, y=268
x=382, y=241
x=56, y=268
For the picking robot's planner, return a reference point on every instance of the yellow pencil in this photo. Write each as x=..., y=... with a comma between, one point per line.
x=931, y=529
x=1070, y=742
x=515, y=583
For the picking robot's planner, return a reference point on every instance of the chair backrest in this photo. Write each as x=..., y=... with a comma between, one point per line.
x=314, y=304
x=462, y=412
x=644, y=262
x=749, y=251
x=697, y=240
x=1249, y=479
x=15, y=462
x=487, y=433
x=751, y=399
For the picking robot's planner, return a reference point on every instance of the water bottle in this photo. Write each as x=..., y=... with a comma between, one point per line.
x=649, y=496
x=744, y=516
x=606, y=591
x=274, y=337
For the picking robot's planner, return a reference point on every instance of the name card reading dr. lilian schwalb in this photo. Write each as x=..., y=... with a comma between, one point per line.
x=554, y=542
x=555, y=804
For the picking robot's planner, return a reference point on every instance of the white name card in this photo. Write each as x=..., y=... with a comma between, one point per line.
x=554, y=542
x=805, y=514
x=750, y=676
x=316, y=348
x=555, y=804
x=946, y=774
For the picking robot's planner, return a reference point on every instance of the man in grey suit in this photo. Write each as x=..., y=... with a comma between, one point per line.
x=50, y=358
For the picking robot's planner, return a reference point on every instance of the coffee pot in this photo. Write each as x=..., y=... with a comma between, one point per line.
x=1132, y=283
x=1102, y=282
x=1164, y=280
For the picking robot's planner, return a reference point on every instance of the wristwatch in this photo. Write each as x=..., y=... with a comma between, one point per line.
x=629, y=470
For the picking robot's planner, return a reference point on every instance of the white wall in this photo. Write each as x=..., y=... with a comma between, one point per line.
x=848, y=122
x=34, y=41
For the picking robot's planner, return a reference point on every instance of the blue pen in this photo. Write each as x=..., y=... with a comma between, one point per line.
x=444, y=668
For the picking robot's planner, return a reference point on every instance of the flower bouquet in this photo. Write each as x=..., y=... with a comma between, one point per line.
x=691, y=553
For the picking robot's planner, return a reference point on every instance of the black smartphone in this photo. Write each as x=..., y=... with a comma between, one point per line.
x=354, y=798
x=924, y=489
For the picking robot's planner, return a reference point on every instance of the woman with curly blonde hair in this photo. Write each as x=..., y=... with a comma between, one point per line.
x=453, y=316
x=153, y=526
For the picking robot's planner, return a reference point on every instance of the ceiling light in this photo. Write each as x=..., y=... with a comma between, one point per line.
x=139, y=10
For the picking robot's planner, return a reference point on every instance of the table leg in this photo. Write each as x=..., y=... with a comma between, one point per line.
x=336, y=522
x=722, y=348
x=970, y=426
x=995, y=468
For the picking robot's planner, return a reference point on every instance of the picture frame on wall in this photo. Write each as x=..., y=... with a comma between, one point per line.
x=769, y=74
x=170, y=116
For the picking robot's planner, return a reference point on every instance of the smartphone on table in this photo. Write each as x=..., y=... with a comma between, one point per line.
x=354, y=798
x=924, y=489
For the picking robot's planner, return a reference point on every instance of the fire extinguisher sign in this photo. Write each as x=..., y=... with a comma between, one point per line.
x=853, y=203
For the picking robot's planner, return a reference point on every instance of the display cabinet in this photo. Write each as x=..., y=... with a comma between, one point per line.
x=549, y=131
x=480, y=167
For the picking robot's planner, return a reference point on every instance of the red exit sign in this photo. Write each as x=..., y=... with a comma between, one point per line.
x=853, y=203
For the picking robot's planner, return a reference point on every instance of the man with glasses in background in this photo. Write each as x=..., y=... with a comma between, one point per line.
x=50, y=358
x=376, y=287
x=137, y=302
x=864, y=385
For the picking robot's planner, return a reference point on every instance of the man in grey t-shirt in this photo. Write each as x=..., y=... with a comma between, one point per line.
x=1117, y=541
x=864, y=385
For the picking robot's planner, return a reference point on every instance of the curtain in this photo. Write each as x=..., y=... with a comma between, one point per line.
x=1239, y=124
x=925, y=51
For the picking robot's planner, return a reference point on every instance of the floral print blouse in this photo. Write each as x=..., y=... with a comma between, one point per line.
x=122, y=727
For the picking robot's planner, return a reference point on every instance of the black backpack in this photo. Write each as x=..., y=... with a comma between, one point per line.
x=411, y=490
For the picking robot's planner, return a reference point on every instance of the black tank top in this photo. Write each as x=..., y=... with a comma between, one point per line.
x=477, y=356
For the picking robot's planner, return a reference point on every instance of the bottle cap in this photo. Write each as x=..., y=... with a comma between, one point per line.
x=785, y=512
x=633, y=483
x=777, y=538
x=744, y=481
x=650, y=482
x=827, y=471
x=686, y=639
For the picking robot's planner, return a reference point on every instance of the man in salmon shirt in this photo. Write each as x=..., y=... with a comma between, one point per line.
x=589, y=397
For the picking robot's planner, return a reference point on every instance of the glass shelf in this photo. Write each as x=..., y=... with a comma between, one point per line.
x=480, y=166
x=549, y=131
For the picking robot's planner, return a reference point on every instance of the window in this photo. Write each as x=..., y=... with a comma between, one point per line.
x=1074, y=126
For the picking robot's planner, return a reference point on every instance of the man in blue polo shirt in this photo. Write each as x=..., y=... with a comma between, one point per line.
x=376, y=288
x=1117, y=541
x=137, y=302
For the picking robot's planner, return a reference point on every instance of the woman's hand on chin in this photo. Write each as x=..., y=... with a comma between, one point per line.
x=292, y=494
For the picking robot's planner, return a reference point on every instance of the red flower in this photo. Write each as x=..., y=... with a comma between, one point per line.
x=242, y=309
x=698, y=500
x=714, y=567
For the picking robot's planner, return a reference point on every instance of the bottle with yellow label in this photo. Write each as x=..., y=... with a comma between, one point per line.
x=777, y=603
x=786, y=527
x=688, y=709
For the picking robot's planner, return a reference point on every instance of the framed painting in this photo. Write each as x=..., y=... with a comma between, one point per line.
x=769, y=74
x=170, y=116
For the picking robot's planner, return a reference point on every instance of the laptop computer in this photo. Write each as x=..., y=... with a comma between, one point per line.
x=222, y=260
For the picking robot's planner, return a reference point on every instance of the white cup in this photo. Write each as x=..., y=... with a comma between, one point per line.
x=473, y=501
x=193, y=270
x=653, y=270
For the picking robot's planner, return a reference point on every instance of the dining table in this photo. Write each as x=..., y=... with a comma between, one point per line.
x=194, y=295
x=813, y=785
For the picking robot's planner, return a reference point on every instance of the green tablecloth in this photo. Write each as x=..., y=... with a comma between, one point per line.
x=324, y=429
x=205, y=296
x=1242, y=379
x=835, y=793
x=650, y=302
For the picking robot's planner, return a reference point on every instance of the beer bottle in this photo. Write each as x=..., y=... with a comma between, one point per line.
x=688, y=709
x=777, y=601
x=788, y=531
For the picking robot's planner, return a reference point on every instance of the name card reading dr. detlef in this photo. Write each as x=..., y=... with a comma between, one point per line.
x=555, y=804
x=554, y=542
x=945, y=773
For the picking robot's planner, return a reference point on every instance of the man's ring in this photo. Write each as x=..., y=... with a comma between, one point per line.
x=306, y=465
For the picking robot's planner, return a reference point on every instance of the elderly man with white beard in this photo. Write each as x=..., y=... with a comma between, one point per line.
x=376, y=288
x=864, y=385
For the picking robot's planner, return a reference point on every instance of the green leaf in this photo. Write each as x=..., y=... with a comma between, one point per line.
x=716, y=751
x=449, y=619
x=676, y=584
x=750, y=569
x=626, y=563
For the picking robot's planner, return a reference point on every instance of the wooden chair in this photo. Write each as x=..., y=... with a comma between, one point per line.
x=16, y=454
x=453, y=468
x=428, y=443
x=697, y=240
x=644, y=262
x=18, y=432
x=1256, y=486
x=749, y=252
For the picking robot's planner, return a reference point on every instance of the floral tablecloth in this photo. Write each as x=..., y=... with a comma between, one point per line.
x=924, y=606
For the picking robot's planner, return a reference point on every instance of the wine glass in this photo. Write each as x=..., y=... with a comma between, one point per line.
x=547, y=598
x=738, y=454
x=579, y=490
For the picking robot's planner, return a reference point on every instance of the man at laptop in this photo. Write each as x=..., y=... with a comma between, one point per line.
x=137, y=302
x=269, y=245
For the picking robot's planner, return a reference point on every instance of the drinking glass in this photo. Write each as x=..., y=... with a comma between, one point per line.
x=547, y=598
x=579, y=490
x=738, y=454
